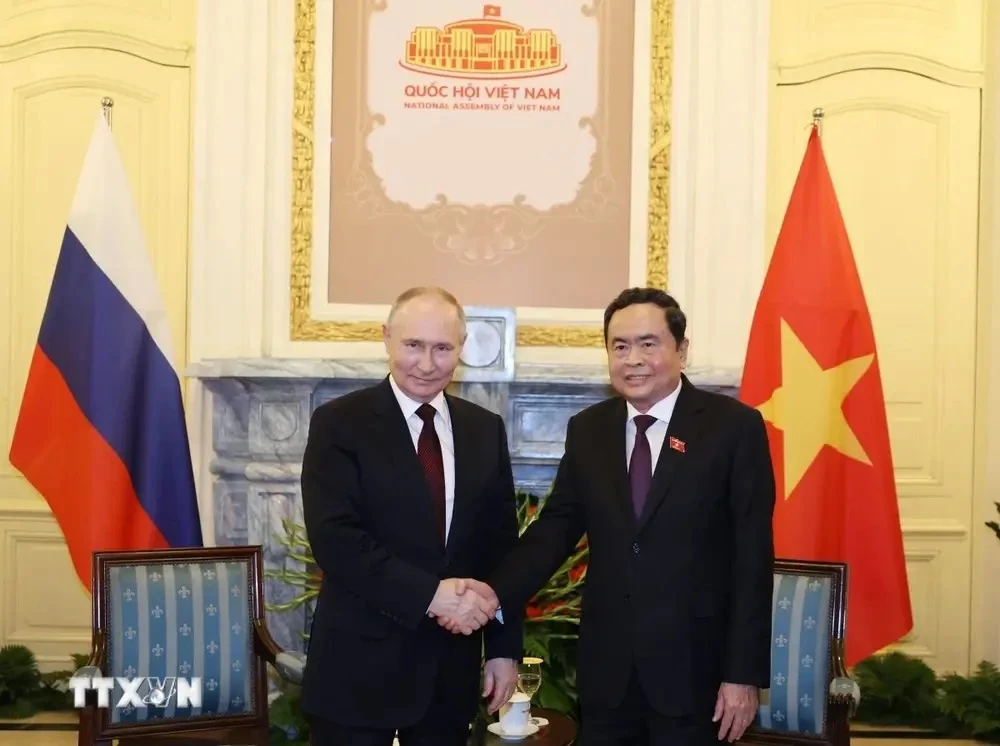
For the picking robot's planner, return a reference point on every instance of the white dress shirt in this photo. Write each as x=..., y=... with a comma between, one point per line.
x=442, y=424
x=657, y=432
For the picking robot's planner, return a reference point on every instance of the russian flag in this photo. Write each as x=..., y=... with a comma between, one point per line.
x=100, y=433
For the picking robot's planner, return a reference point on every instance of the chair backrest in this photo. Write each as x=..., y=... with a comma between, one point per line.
x=808, y=620
x=187, y=614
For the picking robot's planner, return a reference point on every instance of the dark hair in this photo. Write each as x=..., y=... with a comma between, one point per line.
x=676, y=320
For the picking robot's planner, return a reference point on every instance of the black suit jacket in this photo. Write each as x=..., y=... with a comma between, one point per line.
x=375, y=659
x=682, y=594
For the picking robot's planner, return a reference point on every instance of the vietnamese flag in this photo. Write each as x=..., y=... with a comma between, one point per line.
x=812, y=371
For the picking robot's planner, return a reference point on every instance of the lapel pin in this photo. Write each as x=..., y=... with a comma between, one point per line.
x=677, y=444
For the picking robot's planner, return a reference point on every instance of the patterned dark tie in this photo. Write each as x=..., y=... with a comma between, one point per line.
x=429, y=453
x=640, y=468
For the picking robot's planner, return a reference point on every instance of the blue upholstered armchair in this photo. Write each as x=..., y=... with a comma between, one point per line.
x=811, y=698
x=188, y=613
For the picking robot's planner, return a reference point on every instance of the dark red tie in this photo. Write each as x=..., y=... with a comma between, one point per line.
x=640, y=468
x=429, y=453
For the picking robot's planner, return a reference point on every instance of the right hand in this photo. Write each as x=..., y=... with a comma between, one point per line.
x=463, y=605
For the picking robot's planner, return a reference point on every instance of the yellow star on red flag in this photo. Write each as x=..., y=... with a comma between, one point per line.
x=807, y=407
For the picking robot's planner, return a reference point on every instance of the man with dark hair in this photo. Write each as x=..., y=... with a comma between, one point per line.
x=674, y=488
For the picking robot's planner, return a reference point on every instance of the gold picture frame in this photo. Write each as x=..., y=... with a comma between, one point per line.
x=303, y=327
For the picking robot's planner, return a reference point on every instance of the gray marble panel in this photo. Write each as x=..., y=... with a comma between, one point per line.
x=489, y=396
x=278, y=428
x=260, y=423
x=230, y=511
x=538, y=423
x=329, y=389
x=230, y=418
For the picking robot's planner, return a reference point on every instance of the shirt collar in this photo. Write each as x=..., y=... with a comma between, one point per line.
x=410, y=406
x=662, y=410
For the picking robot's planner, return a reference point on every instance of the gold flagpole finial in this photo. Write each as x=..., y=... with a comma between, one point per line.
x=106, y=103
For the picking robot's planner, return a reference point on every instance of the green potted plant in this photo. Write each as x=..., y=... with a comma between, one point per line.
x=24, y=690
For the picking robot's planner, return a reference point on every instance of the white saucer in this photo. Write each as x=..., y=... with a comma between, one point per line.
x=494, y=728
x=540, y=722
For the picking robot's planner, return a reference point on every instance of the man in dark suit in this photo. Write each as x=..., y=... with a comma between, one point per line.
x=674, y=488
x=406, y=488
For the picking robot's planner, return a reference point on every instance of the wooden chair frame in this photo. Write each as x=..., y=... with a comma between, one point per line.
x=840, y=707
x=96, y=728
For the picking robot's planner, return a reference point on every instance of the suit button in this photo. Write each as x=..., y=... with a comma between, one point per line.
x=635, y=548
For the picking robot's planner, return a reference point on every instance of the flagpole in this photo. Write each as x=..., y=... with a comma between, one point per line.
x=106, y=103
x=818, y=119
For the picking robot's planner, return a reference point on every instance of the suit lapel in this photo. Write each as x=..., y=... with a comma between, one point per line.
x=398, y=446
x=681, y=432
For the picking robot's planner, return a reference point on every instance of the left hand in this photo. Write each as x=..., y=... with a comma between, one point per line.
x=499, y=680
x=735, y=708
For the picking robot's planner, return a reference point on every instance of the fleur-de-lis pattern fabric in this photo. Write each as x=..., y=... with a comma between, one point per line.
x=183, y=620
x=800, y=655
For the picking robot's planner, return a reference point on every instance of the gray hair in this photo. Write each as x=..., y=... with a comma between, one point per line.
x=419, y=292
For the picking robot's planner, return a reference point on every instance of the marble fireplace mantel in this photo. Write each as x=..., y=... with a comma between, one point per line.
x=375, y=369
x=260, y=410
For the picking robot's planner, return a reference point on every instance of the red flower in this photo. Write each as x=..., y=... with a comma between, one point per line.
x=575, y=573
x=533, y=612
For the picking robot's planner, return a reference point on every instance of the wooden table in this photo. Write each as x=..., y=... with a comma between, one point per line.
x=561, y=731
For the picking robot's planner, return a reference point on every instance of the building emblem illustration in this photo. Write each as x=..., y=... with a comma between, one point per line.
x=487, y=48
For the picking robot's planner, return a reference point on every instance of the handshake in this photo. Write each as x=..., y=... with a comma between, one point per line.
x=463, y=605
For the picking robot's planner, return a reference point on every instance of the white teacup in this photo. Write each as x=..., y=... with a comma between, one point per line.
x=515, y=715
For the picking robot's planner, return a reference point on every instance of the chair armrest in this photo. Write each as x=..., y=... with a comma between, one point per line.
x=844, y=690
x=264, y=644
x=98, y=650
x=291, y=666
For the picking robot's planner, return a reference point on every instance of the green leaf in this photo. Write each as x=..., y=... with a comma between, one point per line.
x=896, y=690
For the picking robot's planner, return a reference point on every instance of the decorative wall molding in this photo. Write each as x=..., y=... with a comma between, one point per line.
x=934, y=528
x=32, y=546
x=21, y=509
x=939, y=39
x=158, y=32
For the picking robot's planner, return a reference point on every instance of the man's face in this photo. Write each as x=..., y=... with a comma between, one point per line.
x=644, y=360
x=423, y=341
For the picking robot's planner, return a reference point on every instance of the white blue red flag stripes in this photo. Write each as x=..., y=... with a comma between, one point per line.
x=100, y=433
